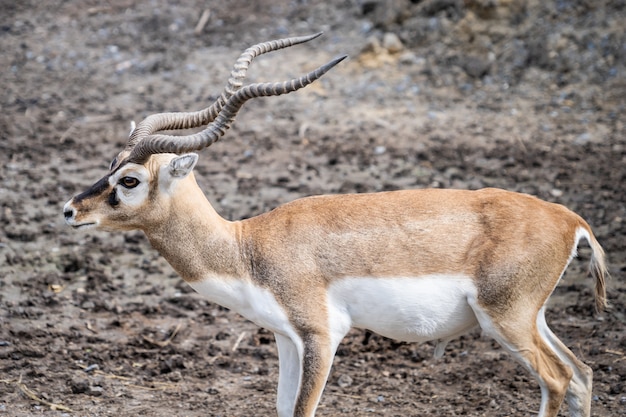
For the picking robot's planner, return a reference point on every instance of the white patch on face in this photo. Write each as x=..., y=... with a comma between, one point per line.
x=407, y=309
x=253, y=302
x=136, y=196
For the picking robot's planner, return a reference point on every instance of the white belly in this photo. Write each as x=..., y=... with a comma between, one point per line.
x=407, y=309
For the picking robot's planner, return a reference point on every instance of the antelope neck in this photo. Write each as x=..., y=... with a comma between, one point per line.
x=197, y=241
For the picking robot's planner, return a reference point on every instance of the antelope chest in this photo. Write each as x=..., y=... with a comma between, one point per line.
x=251, y=301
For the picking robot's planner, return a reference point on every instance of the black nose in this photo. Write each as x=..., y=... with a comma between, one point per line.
x=68, y=213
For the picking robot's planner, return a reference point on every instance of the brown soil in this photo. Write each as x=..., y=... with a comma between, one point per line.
x=527, y=98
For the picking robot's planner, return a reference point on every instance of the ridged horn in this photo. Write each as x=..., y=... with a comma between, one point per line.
x=180, y=144
x=187, y=120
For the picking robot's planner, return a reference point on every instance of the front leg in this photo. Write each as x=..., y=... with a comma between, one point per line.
x=289, y=354
x=317, y=359
x=304, y=367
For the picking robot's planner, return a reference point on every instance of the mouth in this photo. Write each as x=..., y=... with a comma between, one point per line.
x=82, y=226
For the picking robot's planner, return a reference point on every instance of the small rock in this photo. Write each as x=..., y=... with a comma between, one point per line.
x=379, y=150
x=386, y=13
x=175, y=376
x=392, y=43
x=409, y=58
x=96, y=391
x=372, y=45
x=344, y=381
x=583, y=138
x=79, y=386
x=475, y=66
x=91, y=368
x=555, y=192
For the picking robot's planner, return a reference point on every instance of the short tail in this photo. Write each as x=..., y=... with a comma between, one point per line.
x=597, y=267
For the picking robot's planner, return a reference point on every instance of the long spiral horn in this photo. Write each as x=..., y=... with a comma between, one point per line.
x=186, y=120
x=180, y=144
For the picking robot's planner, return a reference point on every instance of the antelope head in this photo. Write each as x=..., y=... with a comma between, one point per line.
x=137, y=190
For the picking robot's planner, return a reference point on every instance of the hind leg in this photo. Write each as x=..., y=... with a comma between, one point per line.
x=516, y=331
x=578, y=394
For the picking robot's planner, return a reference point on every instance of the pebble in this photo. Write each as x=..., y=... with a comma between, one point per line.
x=392, y=43
x=92, y=367
x=372, y=45
x=344, y=381
x=79, y=386
x=582, y=138
x=379, y=150
x=555, y=192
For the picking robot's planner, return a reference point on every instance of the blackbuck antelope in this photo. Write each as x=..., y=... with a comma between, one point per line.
x=414, y=265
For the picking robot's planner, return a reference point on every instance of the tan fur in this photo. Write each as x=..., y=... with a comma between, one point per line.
x=513, y=246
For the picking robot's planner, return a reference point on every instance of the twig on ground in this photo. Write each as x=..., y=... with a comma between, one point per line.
x=238, y=341
x=204, y=19
x=106, y=375
x=621, y=355
x=165, y=342
x=67, y=132
x=338, y=394
x=128, y=382
x=30, y=394
x=91, y=329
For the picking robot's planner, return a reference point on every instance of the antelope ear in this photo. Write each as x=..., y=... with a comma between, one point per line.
x=182, y=165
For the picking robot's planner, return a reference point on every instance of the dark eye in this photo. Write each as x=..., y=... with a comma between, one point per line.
x=129, y=182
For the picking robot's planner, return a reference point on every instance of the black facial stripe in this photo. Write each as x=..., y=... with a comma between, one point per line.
x=113, y=200
x=101, y=186
x=95, y=190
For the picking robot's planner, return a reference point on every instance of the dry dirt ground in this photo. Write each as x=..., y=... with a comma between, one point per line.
x=524, y=96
